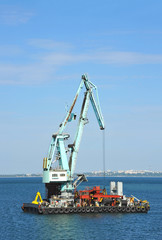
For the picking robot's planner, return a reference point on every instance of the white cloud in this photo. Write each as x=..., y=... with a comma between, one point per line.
x=11, y=15
x=25, y=74
x=127, y=58
x=10, y=50
x=43, y=66
x=48, y=44
x=122, y=58
x=129, y=32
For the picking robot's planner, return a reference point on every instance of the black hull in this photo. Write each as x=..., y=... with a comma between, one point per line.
x=35, y=208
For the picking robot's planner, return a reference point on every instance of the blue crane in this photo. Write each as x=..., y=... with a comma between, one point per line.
x=59, y=180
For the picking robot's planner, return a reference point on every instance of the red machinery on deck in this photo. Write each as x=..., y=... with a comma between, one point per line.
x=96, y=197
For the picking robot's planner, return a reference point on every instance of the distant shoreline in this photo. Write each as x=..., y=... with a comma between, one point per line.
x=20, y=175
x=87, y=175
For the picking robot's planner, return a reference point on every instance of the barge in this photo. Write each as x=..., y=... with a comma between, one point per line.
x=62, y=196
x=40, y=209
x=93, y=200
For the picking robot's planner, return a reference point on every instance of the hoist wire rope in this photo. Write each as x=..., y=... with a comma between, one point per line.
x=103, y=145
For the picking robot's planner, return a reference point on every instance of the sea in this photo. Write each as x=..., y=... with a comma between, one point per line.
x=15, y=224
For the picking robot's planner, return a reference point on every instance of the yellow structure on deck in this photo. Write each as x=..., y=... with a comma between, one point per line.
x=36, y=198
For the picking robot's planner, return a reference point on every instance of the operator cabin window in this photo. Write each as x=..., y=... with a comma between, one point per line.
x=54, y=175
x=62, y=175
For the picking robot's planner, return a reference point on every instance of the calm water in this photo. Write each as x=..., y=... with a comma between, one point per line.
x=14, y=224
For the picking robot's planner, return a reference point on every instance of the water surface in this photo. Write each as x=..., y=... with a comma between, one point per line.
x=15, y=224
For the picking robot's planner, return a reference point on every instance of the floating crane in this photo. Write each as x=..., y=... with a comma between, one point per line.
x=59, y=166
x=59, y=181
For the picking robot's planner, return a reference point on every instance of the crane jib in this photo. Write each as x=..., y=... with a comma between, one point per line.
x=71, y=110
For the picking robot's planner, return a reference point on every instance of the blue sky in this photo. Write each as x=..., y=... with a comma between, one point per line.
x=45, y=47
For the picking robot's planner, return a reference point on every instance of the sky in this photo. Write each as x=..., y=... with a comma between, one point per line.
x=45, y=47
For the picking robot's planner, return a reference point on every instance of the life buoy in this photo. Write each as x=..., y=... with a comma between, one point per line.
x=56, y=210
x=71, y=210
x=92, y=209
x=119, y=209
x=61, y=210
x=66, y=210
x=128, y=209
x=133, y=209
x=50, y=210
x=40, y=210
x=113, y=209
x=88, y=209
x=109, y=209
x=138, y=209
x=79, y=209
x=104, y=209
x=143, y=209
x=100, y=209
x=75, y=210
x=83, y=210
x=123, y=209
